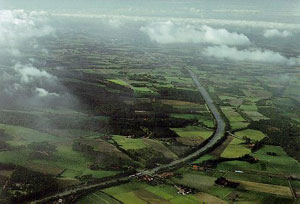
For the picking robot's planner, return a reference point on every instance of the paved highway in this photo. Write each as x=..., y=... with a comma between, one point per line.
x=219, y=133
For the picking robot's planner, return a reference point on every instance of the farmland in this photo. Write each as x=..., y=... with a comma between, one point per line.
x=123, y=106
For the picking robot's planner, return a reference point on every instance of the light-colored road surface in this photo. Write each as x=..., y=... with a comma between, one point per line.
x=219, y=133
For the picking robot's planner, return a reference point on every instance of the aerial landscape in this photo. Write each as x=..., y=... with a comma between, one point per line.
x=149, y=102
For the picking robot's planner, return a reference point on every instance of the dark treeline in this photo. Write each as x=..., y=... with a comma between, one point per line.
x=181, y=94
x=25, y=184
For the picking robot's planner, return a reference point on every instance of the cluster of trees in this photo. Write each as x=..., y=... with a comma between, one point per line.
x=212, y=163
x=146, y=77
x=25, y=184
x=181, y=94
x=159, y=126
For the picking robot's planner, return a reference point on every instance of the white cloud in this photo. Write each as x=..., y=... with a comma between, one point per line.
x=44, y=93
x=18, y=26
x=169, y=32
x=276, y=33
x=256, y=55
x=23, y=82
x=29, y=73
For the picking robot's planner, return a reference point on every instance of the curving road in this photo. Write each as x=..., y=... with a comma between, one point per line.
x=219, y=133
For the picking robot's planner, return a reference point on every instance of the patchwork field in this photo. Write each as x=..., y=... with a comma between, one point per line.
x=136, y=193
x=121, y=83
x=235, y=119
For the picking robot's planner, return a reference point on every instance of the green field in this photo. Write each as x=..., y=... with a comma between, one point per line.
x=232, y=114
x=238, y=125
x=193, y=131
x=235, y=149
x=120, y=82
x=251, y=107
x=254, y=115
x=254, y=135
x=281, y=164
x=143, y=92
x=198, y=181
x=97, y=198
x=129, y=143
x=25, y=136
x=65, y=158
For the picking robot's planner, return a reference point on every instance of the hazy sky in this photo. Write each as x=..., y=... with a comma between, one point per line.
x=268, y=10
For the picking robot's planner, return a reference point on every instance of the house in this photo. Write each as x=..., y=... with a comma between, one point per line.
x=165, y=175
x=184, y=190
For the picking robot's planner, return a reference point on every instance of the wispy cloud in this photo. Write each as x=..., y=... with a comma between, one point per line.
x=276, y=33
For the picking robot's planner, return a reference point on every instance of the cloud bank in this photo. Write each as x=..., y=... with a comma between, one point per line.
x=207, y=21
x=276, y=33
x=255, y=55
x=169, y=32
